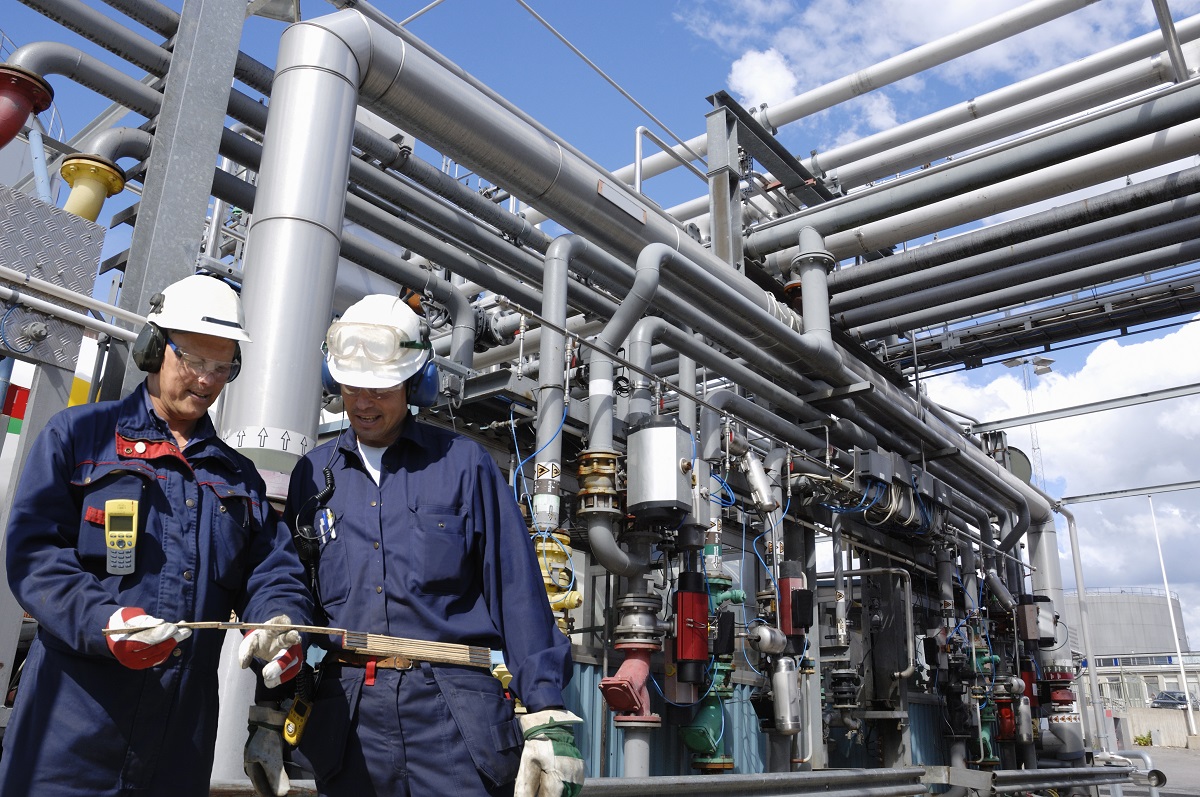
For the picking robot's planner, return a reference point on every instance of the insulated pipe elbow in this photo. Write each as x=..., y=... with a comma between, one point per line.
x=53, y=58
x=119, y=142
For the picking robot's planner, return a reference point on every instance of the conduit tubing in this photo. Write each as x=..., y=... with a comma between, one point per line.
x=1152, y=196
x=829, y=783
x=1141, y=118
x=57, y=311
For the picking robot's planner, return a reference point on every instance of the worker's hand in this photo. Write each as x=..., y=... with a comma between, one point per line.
x=139, y=649
x=283, y=667
x=268, y=643
x=551, y=765
x=262, y=758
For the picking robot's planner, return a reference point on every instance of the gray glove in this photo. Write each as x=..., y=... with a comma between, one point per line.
x=262, y=758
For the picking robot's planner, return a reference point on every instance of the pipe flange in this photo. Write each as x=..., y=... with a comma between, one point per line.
x=108, y=173
x=30, y=84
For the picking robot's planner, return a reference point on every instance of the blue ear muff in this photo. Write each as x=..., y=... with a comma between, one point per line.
x=424, y=386
x=328, y=383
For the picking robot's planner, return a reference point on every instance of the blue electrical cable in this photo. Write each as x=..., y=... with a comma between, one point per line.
x=4, y=336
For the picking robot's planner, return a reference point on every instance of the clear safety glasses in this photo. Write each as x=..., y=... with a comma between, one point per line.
x=377, y=343
x=200, y=366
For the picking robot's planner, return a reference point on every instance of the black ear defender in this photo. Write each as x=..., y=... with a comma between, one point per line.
x=149, y=348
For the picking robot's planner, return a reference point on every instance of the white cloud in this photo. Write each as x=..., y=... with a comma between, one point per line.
x=824, y=41
x=759, y=77
x=1116, y=450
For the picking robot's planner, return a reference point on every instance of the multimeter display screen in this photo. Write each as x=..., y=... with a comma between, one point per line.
x=120, y=522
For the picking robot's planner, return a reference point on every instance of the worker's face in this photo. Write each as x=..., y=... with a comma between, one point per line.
x=376, y=416
x=192, y=375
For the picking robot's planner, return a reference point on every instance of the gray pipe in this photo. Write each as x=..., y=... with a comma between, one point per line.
x=989, y=274
x=1101, y=726
x=711, y=417
x=1147, y=46
x=293, y=243
x=1120, y=268
x=601, y=534
x=1042, y=110
x=1170, y=107
x=552, y=381
x=1131, y=208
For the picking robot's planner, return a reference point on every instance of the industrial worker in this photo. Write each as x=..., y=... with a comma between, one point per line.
x=132, y=516
x=416, y=535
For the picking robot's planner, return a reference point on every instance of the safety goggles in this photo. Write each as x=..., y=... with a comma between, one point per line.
x=373, y=393
x=199, y=366
x=377, y=343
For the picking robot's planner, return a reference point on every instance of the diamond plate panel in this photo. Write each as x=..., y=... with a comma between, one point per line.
x=49, y=244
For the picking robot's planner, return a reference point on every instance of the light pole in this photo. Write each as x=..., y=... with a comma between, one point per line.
x=1187, y=695
x=1041, y=365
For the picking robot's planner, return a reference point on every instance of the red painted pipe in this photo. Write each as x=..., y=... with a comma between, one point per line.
x=21, y=93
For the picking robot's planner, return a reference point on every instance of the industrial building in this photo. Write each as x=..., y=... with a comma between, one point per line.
x=688, y=401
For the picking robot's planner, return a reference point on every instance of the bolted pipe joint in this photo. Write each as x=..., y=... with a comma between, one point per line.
x=22, y=92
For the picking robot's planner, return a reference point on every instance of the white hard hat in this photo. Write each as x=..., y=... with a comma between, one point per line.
x=201, y=304
x=377, y=343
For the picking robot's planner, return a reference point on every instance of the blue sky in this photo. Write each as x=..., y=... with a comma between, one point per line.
x=671, y=54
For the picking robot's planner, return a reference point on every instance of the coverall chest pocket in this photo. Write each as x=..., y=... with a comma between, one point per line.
x=231, y=520
x=99, y=486
x=442, y=547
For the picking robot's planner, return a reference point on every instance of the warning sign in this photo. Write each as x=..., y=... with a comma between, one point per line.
x=548, y=470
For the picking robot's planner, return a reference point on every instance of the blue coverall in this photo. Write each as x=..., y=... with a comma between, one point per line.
x=208, y=544
x=438, y=551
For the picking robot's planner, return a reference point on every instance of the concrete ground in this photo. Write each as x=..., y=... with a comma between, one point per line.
x=1181, y=766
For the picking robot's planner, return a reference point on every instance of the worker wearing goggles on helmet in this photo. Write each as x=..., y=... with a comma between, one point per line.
x=417, y=535
x=130, y=511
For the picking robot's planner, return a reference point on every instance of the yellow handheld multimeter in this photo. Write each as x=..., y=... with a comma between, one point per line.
x=120, y=534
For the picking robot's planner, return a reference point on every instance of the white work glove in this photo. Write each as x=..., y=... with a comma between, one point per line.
x=267, y=644
x=136, y=649
x=262, y=758
x=551, y=765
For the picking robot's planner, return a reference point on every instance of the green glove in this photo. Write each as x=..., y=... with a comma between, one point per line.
x=551, y=765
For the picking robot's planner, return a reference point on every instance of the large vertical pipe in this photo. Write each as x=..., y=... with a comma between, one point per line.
x=293, y=242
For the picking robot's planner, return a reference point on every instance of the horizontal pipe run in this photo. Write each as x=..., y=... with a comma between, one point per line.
x=843, y=220
x=830, y=783
x=1126, y=200
x=57, y=311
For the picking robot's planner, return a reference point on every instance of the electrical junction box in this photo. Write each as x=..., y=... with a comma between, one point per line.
x=942, y=493
x=871, y=465
x=924, y=481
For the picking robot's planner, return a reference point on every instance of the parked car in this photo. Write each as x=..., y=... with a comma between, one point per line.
x=1173, y=700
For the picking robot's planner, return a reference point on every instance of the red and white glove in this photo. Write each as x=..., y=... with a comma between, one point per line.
x=279, y=648
x=139, y=649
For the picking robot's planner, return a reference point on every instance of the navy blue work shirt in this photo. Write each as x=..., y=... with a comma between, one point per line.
x=438, y=551
x=208, y=544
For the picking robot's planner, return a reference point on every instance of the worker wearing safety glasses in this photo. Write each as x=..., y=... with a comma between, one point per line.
x=415, y=536
x=133, y=516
